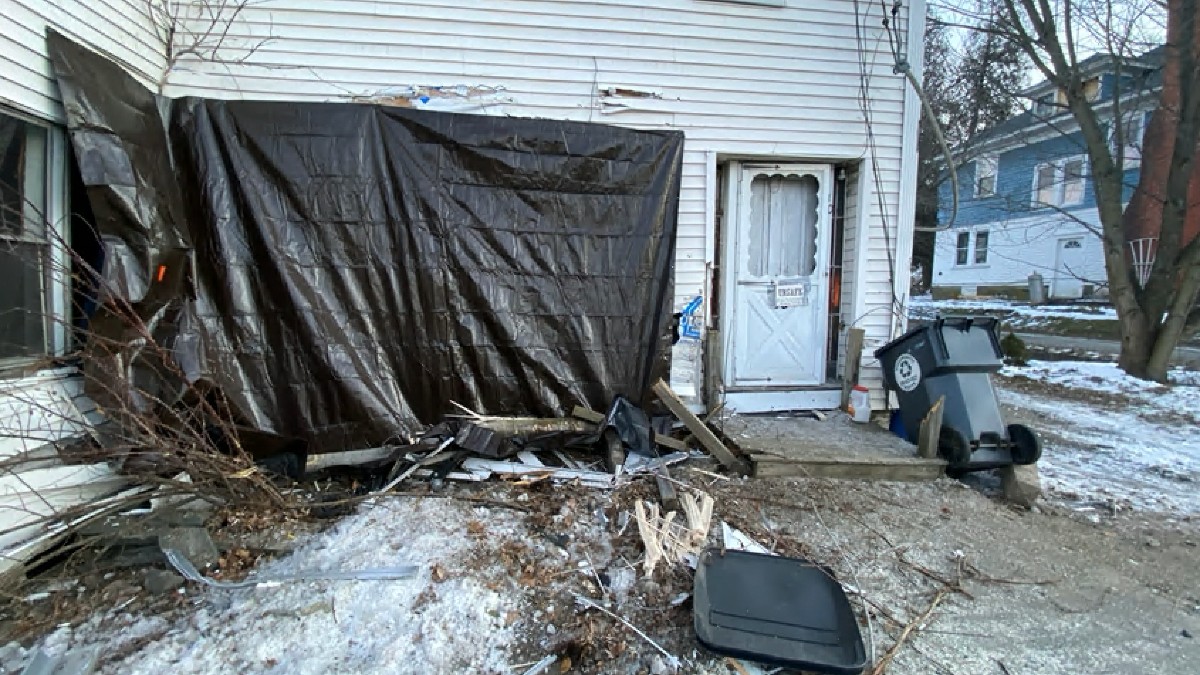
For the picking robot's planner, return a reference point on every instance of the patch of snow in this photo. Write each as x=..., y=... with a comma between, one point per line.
x=1088, y=375
x=412, y=625
x=1182, y=398
x=1144, y=455
x=925, y=307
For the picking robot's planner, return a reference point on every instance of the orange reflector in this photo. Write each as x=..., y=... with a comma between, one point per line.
x=162, y=272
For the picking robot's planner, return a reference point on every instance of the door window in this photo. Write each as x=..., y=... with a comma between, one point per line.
x=783, y=226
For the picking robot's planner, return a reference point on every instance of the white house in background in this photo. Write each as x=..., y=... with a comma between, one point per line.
x=783, y=188
x=1026, y=203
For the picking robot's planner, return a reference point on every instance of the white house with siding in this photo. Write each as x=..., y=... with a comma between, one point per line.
x=797, y=199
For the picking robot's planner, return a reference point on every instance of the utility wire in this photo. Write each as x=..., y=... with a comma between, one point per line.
x=903, y=67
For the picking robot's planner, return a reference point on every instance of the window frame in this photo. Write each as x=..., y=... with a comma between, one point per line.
x=57, y=283
x=987, y=238
x=1059, y=186
x=1037, y=201
x=993, y=162
x=1127, y=163
x=1082, y=177
x=1046, y=106
x=962, y=254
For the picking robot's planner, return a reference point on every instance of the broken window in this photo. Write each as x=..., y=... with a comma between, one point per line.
x=964, y=248
x=783, y=226
x=24, y=246
x=981, y=247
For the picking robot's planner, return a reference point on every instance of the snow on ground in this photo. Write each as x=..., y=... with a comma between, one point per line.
x=1108, y=378
x=925, y=307
x=1144, y=454
x=411, y=625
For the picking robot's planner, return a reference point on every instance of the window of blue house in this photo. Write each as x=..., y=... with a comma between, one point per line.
x=981, y=247
x=962, y=254
x=1045, y=192
x=985, y=176
x=1072, y=172
x=1060, y=183
x=1128, y=145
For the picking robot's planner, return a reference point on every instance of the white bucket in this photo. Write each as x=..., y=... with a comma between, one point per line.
x=860, y=404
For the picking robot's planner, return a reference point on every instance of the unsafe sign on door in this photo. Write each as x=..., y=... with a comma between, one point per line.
x=791, y=294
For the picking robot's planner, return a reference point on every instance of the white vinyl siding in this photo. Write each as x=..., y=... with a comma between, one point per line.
x=120, y=29
x=1017, y=248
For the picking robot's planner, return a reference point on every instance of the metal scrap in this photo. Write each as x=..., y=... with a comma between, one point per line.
x=189, y=572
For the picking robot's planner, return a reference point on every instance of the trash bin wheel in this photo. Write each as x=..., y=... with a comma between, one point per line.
x=1025, y=445
x=953, y=446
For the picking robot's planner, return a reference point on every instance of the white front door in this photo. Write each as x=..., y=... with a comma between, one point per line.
x=776, y=275
x=1069, y=264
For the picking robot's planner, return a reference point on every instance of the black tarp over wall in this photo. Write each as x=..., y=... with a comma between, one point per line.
x=356, y=267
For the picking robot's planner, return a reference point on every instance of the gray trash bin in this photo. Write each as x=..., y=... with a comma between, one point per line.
x=955, y=357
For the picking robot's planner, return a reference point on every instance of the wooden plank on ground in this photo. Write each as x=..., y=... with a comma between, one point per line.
x=666, y=490
x=587, y=414
x=905, y=469
x=931, y=430
x=699, y=429
x=669, y=442
x=854, y=347
x=712, y=369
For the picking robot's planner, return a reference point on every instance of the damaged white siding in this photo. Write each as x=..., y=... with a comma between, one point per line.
x=39, y=410
x=741, y=81
x=119, y=29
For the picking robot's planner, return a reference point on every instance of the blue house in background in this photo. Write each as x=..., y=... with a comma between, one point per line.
x=1026, y=203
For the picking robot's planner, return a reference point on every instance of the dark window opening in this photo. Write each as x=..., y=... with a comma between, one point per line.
x=24, y=246
x=87, y=255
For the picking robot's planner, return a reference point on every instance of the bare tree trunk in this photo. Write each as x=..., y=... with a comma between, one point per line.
x=1163, y=204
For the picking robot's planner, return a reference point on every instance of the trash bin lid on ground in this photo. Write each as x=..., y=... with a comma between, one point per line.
x=782, y=611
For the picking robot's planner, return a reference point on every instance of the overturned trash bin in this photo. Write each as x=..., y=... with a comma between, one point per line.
x=955, y=357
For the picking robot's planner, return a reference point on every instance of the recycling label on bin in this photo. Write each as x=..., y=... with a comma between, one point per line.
x=907, y=372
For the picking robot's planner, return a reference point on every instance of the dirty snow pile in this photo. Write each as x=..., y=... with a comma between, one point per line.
x=1137, y=446
x=409, y=625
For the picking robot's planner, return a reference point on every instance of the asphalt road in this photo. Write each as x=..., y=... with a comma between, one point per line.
x=1184, y=355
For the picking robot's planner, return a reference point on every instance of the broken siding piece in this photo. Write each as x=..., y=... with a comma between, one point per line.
x=642, y=464
x=478, y=465
x=735, y=540
x=699, y=429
